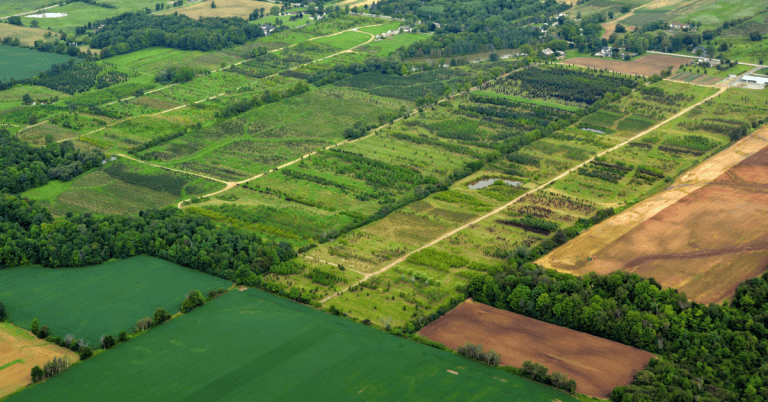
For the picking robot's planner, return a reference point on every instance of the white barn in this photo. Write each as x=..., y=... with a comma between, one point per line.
x=755, y=80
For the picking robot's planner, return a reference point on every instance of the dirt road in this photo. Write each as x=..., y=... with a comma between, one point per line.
x=539, y=188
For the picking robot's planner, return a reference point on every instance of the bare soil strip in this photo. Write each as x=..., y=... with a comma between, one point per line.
x=598, y=365
x=647, y=65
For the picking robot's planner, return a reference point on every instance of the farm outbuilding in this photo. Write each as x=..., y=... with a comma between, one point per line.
x=755, y=80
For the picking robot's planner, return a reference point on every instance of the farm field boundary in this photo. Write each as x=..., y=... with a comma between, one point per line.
x=293, y=353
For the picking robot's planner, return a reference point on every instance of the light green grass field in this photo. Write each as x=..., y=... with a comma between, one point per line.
x=381, y=28
x=254, y=346
x=346, y=40
x=388, y=46
x=104, y=299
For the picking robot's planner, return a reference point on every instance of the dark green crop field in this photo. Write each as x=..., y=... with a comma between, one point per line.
x=254, y=346
x=104, y=299
x=19, y=63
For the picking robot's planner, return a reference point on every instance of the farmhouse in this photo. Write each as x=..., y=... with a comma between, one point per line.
x=604, y=52
x=268, y=29
x=547, y=52
x=677, y=25
x=710, y=62
x=560, y=54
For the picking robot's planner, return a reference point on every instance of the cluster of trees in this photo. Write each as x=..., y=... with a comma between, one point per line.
x=50, y=369
x=268, y=96
x=130, y=32
x=707, y=353
x=476, y=352
x=192, y=300
x=372, y=65
x=73, y=77
x=473, y=26
x=175, y=74
x=24, y=166
x=569, y=84
x=28, y=235
x=91, y=2
x=540, y=373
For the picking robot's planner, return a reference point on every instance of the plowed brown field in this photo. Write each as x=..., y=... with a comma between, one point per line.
x=647, y=65
x=598, y=365
x=19, y=352
x=700, y=238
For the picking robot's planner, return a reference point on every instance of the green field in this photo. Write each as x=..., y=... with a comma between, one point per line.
x=346, y=40
x=380, y=29
x=19, y=63
x=254, y=346
x=531, y=101
x=11, y=7
x=385, y=47
x=104, y=299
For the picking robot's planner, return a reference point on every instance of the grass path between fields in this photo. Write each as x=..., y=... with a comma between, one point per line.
x=541, y=187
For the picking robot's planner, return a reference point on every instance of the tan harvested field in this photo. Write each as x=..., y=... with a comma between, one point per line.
x=27, y=35
x=19, y=352
x=704, y=235
x=647, y=65
x=598, y=365
x=224, y=8
x=353, y=3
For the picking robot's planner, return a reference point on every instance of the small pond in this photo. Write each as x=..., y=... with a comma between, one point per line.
x=487, y=182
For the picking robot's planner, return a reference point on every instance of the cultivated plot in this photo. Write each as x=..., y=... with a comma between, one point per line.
x=703, y=239
x=250, y=344
x=597, y=364
x=89, y=302
x=647, y=65
x=20, y=351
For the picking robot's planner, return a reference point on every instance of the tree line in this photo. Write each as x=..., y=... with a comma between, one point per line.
x=29, y=235
x=130, y=32
x=471, y=26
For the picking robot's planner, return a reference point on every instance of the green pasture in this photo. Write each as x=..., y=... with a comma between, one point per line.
x=137, y=187
x=268, y=136
x=380, y=29
x=252, y=345
x=19, y=63
x=104, y=299
x=77, y=14
x=387, y=46
x=538, y=102
x=346, y=40
x=12, y=7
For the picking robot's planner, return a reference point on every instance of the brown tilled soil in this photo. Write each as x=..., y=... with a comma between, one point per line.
x=19, y=352
x=704, y=244
x=598, y=365
x=647, y=65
